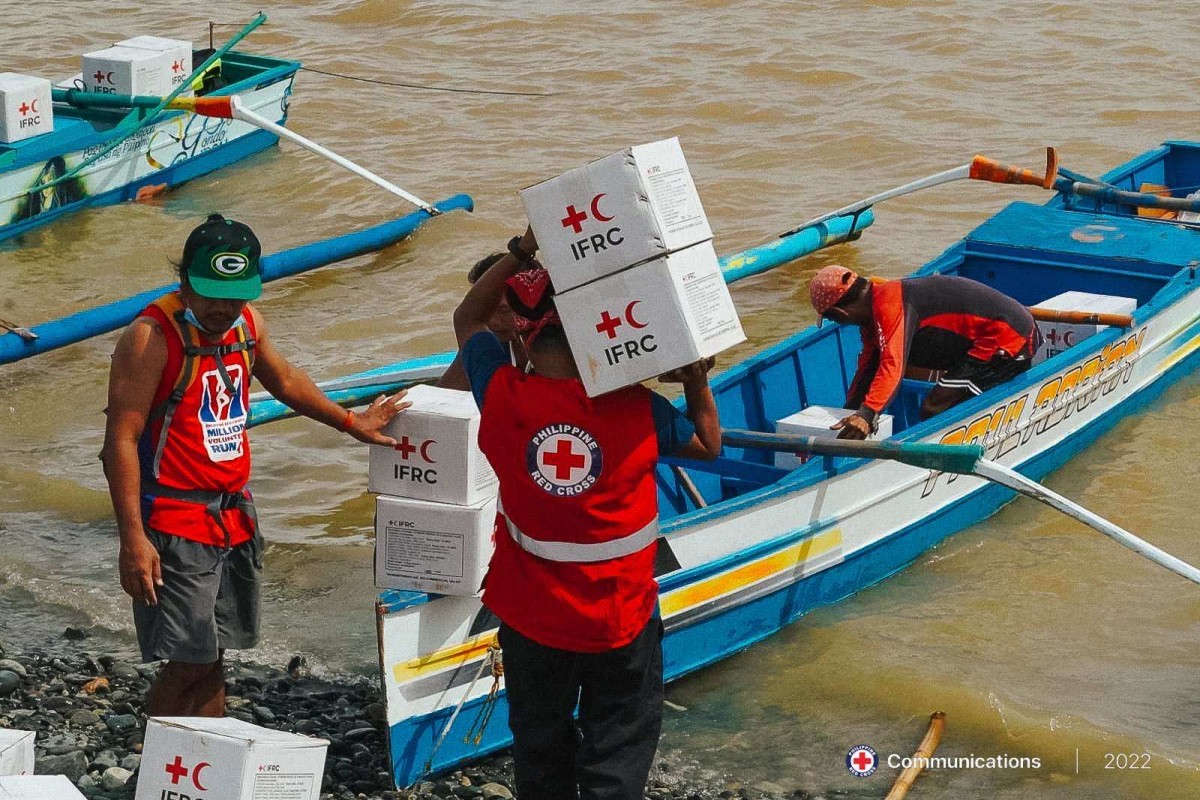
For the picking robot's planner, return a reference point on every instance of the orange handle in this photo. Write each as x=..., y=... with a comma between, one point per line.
x=1082, y=317
x=204, y=106
x=985, y=169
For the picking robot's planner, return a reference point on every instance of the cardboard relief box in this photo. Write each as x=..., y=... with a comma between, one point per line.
x=127, y=70
x=621, y=210
x=432, y=547
x=176, y=52
x=1059, y=336
x=16, y=752
x=437, y=455
x=650, y=319
x=26, y=107
x=38, y=787
x=815, y=421
x=227, y=759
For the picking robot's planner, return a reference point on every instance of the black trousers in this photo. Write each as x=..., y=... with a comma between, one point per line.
x=619, y=693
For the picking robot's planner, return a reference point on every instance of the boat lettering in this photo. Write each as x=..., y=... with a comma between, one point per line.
x=1007, y=427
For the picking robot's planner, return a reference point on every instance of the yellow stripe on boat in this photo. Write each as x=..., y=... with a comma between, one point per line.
x=789, y=558
x=446, y=657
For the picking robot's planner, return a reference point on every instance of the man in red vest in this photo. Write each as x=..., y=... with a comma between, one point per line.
x=177, y=459
x=572, y=577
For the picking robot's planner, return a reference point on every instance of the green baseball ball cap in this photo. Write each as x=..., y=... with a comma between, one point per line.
x=221, y=257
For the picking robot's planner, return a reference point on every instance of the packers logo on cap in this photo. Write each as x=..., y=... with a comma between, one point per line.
x=230, y=264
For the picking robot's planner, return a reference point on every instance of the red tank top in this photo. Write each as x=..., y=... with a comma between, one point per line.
x=579, y=472
x=207, y=447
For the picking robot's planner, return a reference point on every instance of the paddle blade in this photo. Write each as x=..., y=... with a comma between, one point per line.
x=986, y=169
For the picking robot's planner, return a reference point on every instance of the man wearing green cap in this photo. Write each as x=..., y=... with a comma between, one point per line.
x=177, y=458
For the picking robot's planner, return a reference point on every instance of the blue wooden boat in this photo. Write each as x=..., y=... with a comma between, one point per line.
x=769, y=544
x=177, y=147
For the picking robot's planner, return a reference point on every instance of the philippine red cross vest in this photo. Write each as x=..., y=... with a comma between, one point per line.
x=206, y=447
x=577, y=525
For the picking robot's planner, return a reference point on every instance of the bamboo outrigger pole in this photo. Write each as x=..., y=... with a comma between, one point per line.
x=933, y=737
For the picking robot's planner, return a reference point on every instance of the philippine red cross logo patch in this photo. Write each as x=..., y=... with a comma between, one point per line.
x=564, y=460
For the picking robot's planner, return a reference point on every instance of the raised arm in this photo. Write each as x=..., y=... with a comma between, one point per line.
x=472, y=315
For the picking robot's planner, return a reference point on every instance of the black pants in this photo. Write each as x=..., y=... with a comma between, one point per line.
x=619, y=693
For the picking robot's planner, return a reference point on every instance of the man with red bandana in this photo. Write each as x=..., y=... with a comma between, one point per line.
x=177, y=458
x=973, y=335
x=572, y=576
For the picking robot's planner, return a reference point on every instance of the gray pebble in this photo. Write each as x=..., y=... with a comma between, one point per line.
x=104, y=759
x=13, y=666
x=124, y=671
x=264, y=714
x=81, y=719
x=495, y=791
x=131, y=762
x=122, y=723
x=73, y=765
x=356, y=734
x=9, y=682
x=306, y=726
x=114, y=778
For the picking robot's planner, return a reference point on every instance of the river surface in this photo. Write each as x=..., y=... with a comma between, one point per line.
x=1038, y=638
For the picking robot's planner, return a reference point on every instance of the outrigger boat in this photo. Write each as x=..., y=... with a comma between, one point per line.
x=749, y=547
x=177, y=147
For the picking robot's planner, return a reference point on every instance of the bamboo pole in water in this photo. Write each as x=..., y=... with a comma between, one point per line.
x=933, y=736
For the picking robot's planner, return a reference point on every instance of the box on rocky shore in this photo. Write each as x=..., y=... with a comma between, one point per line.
x=26, y=108
x=621, y=210
x=432, y=547
x=16, y=752
x=649, y=319
x=38, y=787
x=437, y=455
x=198, y=757
x=815, y=421
x=1058, y=336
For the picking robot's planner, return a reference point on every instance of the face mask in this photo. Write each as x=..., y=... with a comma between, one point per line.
x=190, y=316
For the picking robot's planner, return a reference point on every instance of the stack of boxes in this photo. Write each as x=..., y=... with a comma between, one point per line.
x=636, y=280
x=143, y=65
x=437, y=497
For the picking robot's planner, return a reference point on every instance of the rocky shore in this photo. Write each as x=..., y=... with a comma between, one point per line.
x=87, y=711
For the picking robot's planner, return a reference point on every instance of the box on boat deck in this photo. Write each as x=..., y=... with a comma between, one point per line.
x=1058, y=336
x=815, y=421
x=437, y=455
x=649, y=319
x=177, y=51
x=432, y=547
x=16, y=752
x=623, y=209
x=38, y=787
x=127, y=70
x=26, y=107
x=198, y=757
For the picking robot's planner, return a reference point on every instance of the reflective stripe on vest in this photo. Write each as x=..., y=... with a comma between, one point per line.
x=578, y=552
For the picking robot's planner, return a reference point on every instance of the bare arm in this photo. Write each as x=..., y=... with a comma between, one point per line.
x=701, y=410
x=472, y=315
x=293, y=387
x=137, y=366
x=455, y=376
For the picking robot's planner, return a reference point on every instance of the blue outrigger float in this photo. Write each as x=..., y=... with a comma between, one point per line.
x=765, y=545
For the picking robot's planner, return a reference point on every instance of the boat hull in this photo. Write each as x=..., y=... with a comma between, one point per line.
x=780, y=544
x=179, y=147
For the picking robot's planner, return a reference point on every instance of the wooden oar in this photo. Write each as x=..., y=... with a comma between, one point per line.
x=1082, y=317
x=160, y=106
x=965, y=460
x=980, y=169
x=231, y=107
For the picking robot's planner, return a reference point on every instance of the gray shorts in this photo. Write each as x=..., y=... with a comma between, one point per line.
x=209, y=600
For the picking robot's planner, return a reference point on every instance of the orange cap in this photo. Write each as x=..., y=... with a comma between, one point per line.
x=828, y=286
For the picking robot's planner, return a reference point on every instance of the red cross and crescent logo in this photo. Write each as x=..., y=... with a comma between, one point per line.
x=25, y=108
x=178, y=771
x=608, y=323
x=564, y=460
x=575, y=218
x=862, y=760
x=406, y=448
x=103, y=77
